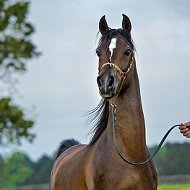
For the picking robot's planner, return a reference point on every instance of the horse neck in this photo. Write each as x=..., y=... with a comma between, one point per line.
x=130, y=126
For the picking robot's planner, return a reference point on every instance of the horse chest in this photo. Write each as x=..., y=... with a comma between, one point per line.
x=129, y=182
x=114, y=177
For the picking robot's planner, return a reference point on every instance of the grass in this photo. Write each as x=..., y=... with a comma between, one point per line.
x=174, y=187
x=160, y=187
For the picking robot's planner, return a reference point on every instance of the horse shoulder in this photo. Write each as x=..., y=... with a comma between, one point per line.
x=60, y=168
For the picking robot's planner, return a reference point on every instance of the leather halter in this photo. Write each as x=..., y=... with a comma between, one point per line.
x=123, y=75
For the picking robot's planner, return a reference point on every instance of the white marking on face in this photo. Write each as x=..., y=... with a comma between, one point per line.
x=112, y=46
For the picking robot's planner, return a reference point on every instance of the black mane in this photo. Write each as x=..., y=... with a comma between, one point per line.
x=99, y=116
x=65, y=145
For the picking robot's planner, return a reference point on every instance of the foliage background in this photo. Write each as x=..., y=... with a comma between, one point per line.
x=18, y=168
x=16, y=49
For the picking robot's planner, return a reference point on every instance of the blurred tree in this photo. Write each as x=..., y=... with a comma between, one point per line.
x=13, y=125
x=43, y=168
x=16, y=48
x=173, y=159
x=1, y=159
x=1, y=168
x=15, y=32
x=16, y=169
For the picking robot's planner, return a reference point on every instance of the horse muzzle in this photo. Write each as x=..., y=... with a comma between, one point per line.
x=107, y=85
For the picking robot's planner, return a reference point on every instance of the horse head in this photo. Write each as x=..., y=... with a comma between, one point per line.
x=116, y=57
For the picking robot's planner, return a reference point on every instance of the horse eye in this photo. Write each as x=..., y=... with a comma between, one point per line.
x=98, y=53
x=127, y=51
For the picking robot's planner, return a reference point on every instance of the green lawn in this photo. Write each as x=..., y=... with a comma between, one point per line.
x=174, y=187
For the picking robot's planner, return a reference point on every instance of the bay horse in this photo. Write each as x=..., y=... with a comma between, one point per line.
x=110, y=160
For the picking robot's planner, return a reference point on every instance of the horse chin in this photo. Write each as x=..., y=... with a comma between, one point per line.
x=107, y=96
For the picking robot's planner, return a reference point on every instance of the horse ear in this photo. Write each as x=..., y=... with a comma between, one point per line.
x=103, y=26
x=126, y=23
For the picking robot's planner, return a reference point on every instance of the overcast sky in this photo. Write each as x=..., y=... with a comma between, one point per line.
x=61, y=84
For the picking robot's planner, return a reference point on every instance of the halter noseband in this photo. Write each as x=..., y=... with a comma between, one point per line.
x=122, y=73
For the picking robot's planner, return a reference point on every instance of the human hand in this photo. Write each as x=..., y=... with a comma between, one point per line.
x=185, y=129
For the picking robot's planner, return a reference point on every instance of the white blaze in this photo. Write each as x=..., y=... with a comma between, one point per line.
x=112, y=46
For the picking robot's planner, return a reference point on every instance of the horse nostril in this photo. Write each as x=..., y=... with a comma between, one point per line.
x=99, y=81
x=111, y=81
x=105, y=81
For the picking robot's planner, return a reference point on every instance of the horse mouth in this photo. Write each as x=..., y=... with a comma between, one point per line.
x=107, y=96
